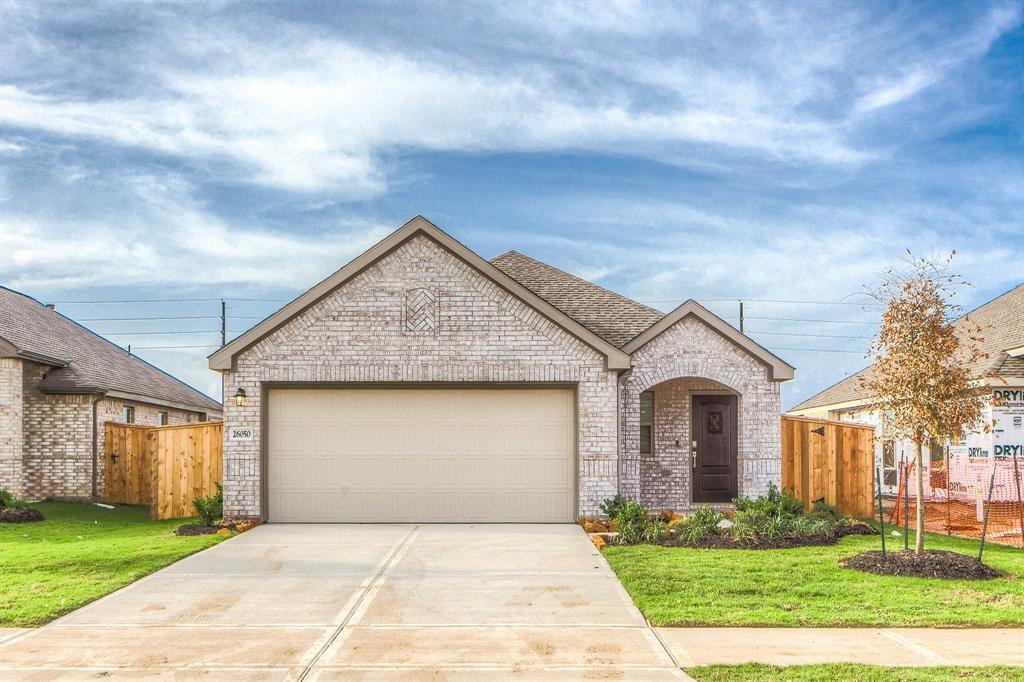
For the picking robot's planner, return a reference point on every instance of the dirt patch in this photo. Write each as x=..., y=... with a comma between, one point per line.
x=24, y=515
x=933, y=563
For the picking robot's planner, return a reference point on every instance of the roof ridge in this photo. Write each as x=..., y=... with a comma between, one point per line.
x=578, y=279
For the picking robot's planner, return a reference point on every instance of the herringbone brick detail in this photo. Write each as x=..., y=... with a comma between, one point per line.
x=420, y=310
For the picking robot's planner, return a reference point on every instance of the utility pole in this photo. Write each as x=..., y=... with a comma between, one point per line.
x=223, y=323
x=741, y=315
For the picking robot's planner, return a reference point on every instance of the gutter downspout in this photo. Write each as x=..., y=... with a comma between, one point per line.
x=95, y=447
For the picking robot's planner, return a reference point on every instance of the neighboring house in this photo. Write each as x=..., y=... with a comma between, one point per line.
x=59, y=383
x=1002, y=329
x=421, y=382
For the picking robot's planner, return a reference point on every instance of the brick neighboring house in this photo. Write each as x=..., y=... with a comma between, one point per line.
x=1002, y=368
x=59, y=383
x=422, y=382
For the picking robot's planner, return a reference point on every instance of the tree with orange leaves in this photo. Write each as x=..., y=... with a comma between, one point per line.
x=921, y=378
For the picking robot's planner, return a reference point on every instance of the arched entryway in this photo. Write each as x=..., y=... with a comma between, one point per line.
x=669, y=464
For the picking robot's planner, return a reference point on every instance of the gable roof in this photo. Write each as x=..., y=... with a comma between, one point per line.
x=778, y=369
x=1002, y=330
x=611, y=316
x=223, y=359
x=83, y=361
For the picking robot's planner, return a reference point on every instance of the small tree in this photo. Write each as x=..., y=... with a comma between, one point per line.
x=921, y=379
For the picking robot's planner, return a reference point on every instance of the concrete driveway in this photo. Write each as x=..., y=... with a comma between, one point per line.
x=354, y=602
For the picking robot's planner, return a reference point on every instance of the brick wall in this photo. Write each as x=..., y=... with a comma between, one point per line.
x=10, y=426
x=707, y=361
x=381, y=327
x=57, y=451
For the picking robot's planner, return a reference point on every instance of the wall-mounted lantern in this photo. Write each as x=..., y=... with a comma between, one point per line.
x=240, y=397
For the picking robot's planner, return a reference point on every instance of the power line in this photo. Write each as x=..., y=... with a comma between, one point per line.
x=759, y=300
x=151, y=319
x=820, y=350
x=174, y=300
x=139, y=300
x=796, y=319
x=195, y=331
x=139, y=319
x=820, y=336
x=171, y=347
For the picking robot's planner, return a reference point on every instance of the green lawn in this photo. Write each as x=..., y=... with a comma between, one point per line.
x=848, y=672
x=79, y=553
x=806, y=587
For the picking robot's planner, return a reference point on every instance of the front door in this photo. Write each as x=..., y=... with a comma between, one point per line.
x=714, y=448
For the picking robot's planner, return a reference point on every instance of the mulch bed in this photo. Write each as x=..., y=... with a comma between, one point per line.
x=727, y=542
x=10, y=515
x=198, y=529
x=933, y=563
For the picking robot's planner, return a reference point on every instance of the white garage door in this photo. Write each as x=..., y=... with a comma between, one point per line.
x=421, y=455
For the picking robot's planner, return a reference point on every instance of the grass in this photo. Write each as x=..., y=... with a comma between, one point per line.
x=80, y=553
x=806, y=587
x=849, y=672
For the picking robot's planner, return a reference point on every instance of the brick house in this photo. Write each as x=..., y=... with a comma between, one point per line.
x=422, y=382
x=59, y=383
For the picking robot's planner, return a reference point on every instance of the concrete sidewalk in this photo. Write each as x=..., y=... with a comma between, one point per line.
x=887, y=646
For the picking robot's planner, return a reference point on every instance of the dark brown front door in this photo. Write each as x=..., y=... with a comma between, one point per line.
x=714, y=448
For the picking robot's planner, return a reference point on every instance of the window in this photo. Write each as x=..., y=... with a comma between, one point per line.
x=202, y=417
x=936, y=455
x=128, y=415
x=162, y=418
x=890, y=476
x=646, y=422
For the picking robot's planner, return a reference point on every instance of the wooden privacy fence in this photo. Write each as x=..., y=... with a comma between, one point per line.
x=165, y=467
x=831, y=460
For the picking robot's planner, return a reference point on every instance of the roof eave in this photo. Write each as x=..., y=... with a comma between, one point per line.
x=9, y=350
x=224, y=358
x=778, y=369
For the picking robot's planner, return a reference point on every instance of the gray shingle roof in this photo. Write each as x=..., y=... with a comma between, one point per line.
x=91, y=361
x=614, y=318
x=1002, y=328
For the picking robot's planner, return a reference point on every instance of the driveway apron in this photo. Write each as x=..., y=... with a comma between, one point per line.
x=354, y=602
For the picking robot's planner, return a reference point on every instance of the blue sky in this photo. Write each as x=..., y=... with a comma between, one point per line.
x=775, y=152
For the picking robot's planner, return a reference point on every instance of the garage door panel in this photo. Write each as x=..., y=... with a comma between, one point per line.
x=378, y=455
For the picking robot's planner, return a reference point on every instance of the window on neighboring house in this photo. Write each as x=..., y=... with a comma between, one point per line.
x=646, y=423
x=890, y=473
x=128, y=415
x=163, y=418
x=202, y=417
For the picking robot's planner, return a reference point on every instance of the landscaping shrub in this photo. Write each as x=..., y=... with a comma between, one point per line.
x=13, y=510
x=637, y=525
x=699, y=526
x=820, y=509
x=774, y=502
x=210, y=508
x=9, y=501
x=613, y=505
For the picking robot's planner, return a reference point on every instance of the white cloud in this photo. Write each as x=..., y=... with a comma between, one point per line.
x=318, y=115
x=167, y=238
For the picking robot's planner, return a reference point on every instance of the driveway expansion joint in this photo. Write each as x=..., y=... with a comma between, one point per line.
x=395, y=553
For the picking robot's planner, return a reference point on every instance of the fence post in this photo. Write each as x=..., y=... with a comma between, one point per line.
x=988, y=508
x=881, y=514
